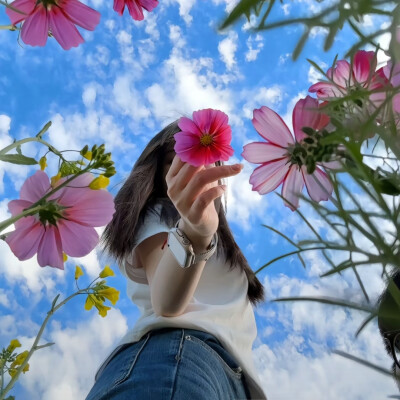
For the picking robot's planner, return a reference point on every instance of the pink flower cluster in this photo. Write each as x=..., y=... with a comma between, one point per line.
x=58, y=17
x=279, y=164
x=66, y=224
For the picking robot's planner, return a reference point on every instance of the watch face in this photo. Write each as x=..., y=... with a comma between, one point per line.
x=177, y=250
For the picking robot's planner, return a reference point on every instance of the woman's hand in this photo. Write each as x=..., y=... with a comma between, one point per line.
x=193, y=190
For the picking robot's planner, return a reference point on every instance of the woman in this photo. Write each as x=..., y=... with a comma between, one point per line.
x=194, y=337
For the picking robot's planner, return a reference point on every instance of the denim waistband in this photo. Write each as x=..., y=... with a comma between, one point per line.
x=194, y=332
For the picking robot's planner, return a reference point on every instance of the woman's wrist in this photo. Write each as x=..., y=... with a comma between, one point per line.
x=200, y=243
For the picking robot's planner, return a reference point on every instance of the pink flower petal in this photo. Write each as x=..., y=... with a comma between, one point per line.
x=149, y=5
x=81, y=15
x=306, y=114
x=271, y=127
x=260, y=152
x=325, y=90
x=319, y=186
x=35, y=187
x=188, y=126
x=292, y=187
x=211, y=121
x=70, y=194
x=63, y=29
x=24, y=241
x=26, y=6
x=77, y=240
x=50, y=250
x=119, y=6
x=16, y=207
x=185, y=141
x=225, y=151
x=35, y=28
x=135, y=9
x=269, y=176
x=364, y=65
x=93, y=208
x=342, y=74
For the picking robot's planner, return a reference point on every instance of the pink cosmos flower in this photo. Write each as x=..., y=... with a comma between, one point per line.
x=57, y=17
x=135, y=7
x=205, y=139
x=278, y=156
x=66, y=225
x=345, y=77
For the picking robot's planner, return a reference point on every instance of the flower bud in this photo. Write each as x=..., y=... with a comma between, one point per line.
x=43, y=163
x=100, y=182
x=88, y=155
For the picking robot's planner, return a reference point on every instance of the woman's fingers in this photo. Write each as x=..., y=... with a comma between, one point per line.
x=210, y=176
x=204, y=200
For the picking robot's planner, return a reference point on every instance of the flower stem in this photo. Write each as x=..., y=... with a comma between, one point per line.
x=27, y=140
x=8, y=27
x=35, y=346
x=11, y=7
x=26, y=213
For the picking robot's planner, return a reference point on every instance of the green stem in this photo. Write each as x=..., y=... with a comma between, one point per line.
x=11, y=7
x=8, y=28
x=35, y=343
x=26, y=213
x=27, y=140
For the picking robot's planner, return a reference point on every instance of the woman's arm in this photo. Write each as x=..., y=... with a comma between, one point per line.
x=192, y=190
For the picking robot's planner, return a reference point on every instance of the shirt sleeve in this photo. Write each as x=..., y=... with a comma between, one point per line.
x=151, y=226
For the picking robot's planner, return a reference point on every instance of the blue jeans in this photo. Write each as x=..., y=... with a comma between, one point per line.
x=171, y=364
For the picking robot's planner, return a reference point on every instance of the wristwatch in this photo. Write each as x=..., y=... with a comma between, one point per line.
x=182, y=248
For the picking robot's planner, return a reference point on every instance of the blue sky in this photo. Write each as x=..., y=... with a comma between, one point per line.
x=121, y=87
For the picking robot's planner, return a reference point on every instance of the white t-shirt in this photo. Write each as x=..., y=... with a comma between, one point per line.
x=219, y=306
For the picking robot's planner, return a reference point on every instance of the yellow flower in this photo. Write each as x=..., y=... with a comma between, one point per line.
x=65, y=257
x=43, y=163
x=88, y=155
x=54, y=179
x=110, y=294
x=20, y=358
x=92, y=301
x=107, y=271
x=12, y=372
x=13, y=345
x=100, y=182
x=26, y=368
x=78, y=272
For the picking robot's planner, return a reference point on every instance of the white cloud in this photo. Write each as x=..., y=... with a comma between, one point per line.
x=252, y=52
x=244, y=205
x=314, y=75
x=271, y=97
x=187, y=85
x=66, y=370
x=89, y=95
x=227, y=49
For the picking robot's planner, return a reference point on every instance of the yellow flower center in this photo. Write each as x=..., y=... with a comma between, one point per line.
x=206, y=139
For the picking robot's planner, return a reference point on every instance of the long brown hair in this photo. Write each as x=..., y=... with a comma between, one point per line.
x=143, y=189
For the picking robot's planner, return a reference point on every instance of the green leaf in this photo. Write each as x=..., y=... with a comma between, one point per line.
x=18, y=159
x=243, y=8
x=43, y=130
x=300, y=45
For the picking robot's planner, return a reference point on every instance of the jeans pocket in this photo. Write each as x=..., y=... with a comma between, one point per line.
x=227, y=361
x=117, y=370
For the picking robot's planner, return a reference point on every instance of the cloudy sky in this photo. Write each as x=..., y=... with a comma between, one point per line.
x=120, y=87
